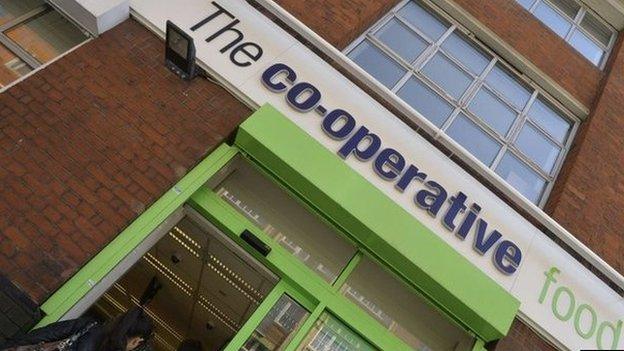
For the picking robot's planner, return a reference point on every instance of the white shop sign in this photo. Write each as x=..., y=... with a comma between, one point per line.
x=558, y=295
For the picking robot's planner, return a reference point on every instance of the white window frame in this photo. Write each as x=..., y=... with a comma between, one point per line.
x=20, y=52
x=460, y=105
x=576, y=26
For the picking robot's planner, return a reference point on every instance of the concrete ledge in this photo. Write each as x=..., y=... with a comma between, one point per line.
x=96, y=16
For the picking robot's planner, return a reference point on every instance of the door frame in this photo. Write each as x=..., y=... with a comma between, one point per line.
x=296, y=279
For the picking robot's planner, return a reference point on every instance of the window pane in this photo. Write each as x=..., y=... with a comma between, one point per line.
x=474, y=139
x=551, y=121
x=447, y=75
x=569, y=7
x=46, y=36
x=377, y=64
x=426, y=101
x=461, y=48
x=284, y=219
x=504, y=82
x=11, y=9
x=493, y=111
x=596, y=28
x=402, y=40
x=521, y=177
x=559, y=24
x=401, y=310
x=586, y=47
x=11, y=67
x=537, y=147
x=526, y=3
x=278, y=326
x=329, y=334
x=422, y=19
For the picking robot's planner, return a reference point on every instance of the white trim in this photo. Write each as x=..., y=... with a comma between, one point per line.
x=156, y=235
x=120, y=269
x=612, y=11
x=534, y=211
x=576, y=26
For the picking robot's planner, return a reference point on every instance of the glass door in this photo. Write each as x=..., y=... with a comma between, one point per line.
x=196, y=284
x=333, y=296
x=278, y=327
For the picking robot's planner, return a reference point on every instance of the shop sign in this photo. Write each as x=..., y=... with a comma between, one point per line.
x=255, y=57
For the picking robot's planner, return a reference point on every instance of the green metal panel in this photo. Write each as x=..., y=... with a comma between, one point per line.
x=307, y=288
x=479, y=345
x=256, y=318
x=377, y=223
x=99, y=266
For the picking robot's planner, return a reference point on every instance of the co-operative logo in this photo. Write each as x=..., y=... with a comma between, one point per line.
x=391, y=166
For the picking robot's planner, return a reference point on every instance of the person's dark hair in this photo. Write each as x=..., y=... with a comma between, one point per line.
x=190, y=345
x=133, y=323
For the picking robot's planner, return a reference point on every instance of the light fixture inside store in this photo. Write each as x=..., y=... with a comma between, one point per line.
x=180, y=52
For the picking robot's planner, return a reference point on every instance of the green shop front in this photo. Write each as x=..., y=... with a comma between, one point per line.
x=274, y=243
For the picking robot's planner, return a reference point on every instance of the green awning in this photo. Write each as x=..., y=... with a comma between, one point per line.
x=373, y=220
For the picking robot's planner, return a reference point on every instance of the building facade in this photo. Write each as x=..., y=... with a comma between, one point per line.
x=340, y=175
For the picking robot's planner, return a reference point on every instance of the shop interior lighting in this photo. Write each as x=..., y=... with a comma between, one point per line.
x=195, y=253
x=123, y=309
x=188, y=238
x=166, y=272
x=222, y=267
x=213, y=310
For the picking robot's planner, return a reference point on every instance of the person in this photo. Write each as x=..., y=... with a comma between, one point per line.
x=130, y=331
x=190, y=345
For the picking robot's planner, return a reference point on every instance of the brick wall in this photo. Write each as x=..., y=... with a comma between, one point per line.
x=588, y=196
x=89, y=143
x=521, y=338
x=338, y=21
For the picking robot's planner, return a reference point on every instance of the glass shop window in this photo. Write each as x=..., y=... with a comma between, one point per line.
x=31, y=34
x=404, y=313
x=283, y=218
x=329, y=334
x=278, y=327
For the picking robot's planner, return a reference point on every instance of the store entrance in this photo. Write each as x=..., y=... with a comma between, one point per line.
x=209, y=286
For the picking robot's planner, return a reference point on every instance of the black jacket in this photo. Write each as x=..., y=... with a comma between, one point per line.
x=62, y=330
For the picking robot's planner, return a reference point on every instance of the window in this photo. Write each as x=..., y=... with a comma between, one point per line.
x=289, y=223
x=31, y=34
x=404, y=313
x=278, y=327
x=581, y=28
x=470, y=93
x=330, y=334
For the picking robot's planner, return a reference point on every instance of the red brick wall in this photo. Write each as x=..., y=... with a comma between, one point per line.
x=89, y=143
x=588, y=196
x=521, y=338
x=338, y=21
